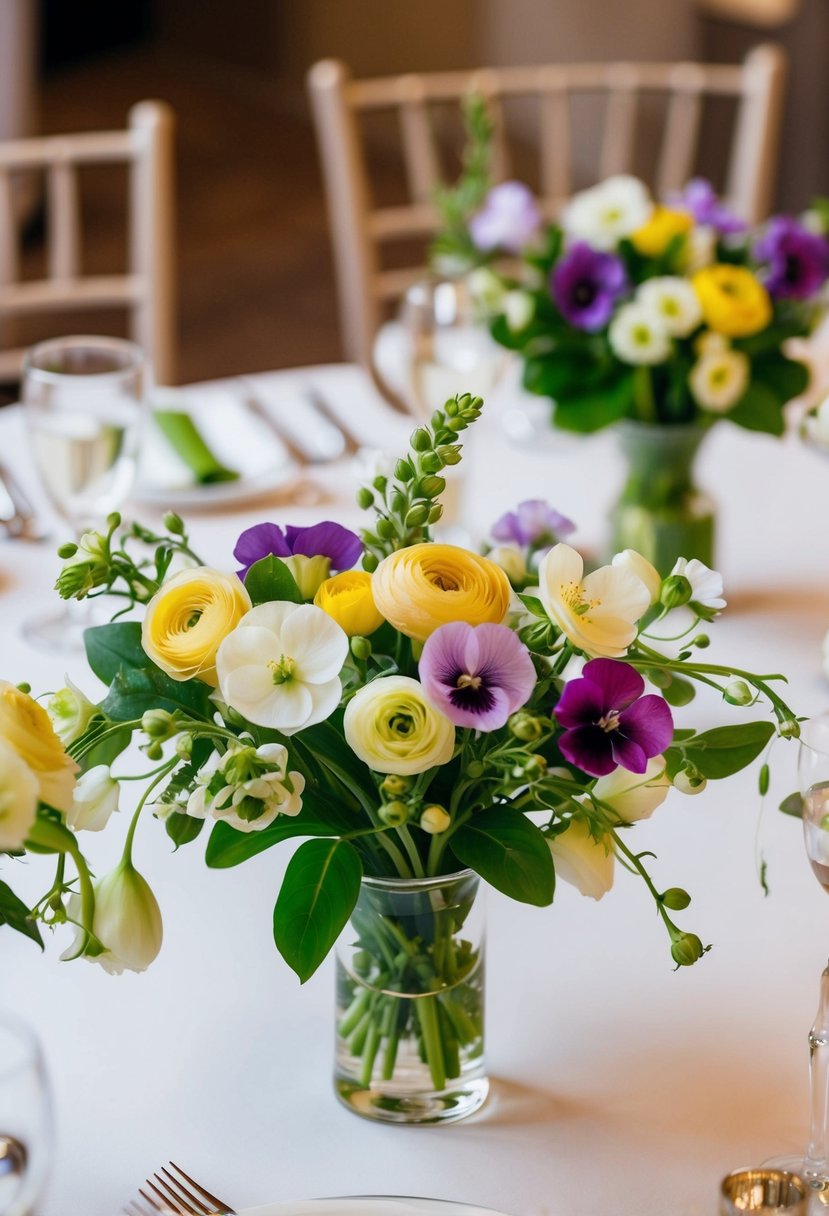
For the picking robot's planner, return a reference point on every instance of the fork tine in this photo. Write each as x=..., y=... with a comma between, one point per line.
x=218, y=1204
x=182, y=1196
x=154, y=1205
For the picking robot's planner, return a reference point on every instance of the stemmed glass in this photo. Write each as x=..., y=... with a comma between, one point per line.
x=83, y=398
x=25, y=1119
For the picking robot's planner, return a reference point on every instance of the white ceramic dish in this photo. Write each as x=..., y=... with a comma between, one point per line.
x=371, y=1205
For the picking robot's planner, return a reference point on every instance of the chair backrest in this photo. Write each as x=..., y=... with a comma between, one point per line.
x=360, y=230
x=147, y=289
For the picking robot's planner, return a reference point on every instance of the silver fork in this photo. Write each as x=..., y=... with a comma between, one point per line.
x=22, y=523
x=174, y=1197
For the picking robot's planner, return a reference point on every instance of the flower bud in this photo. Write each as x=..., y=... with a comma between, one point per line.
x=403, y=470
x=511, y=560
x=394, y=813
x=159, y=724
x=153, y=750
x=370, y=562
x=114, y=520
x=127, y=921
x=738, y=693
x=434, y=820
x=309, y=572
x=687, y=949
x=417, y=515
x=676, y=591
x=70, y=712
x=431, y=463
x=184, y=746
x=525, y=726
x=475, y=769
x=380, y=482
x=361, y=648
x=384, y=528
x=449, y=453
x=394, y=785
x=789, y=729
x=689, y=781
x=435, y=514
x=675, y=898
x=94, y=799
x=701, y=641
x=68, y=550
x=174, y=523
x=432, y=486
x=535, y=766
x=365, y=497
x=421, y=440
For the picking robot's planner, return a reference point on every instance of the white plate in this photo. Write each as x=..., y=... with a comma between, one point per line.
x=371, y=1205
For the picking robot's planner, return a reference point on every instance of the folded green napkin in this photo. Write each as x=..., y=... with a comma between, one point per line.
x=183, y=435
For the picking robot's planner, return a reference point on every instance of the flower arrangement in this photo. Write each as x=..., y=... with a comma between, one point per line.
x=435, y=711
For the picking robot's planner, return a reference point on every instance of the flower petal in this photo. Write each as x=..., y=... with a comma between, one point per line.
x=581, y=703
x=627, y=752
x=316, y=643
x=620, y=683
x=259, y=541
x=650, y=723
x=287, y=708
x=589, y=748
x=619, y=591
x=504, y=662
x=326, y=539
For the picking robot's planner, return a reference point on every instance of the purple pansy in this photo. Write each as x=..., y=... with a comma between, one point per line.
x=326, y=539
x=607, y=721
x=508, y=220
x=796, y=261
x=700, y=199
x=586, y=284
x=477, y=675
x=533, y=523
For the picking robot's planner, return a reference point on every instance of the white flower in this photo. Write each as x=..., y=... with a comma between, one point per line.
x=518, y=308
x=280, y=666
x=127, y=921
x=579, y=859
x=718, y=380
x=598, y=613
x=638, y=337
x=673, y=302
x=511, y=560
x=18, y=798
x=816, y=425
x=392, y=727
x=635, y=795
x=710, y=343
x=486, y=289
x=629, y=559
x=247, y=787
x=700, y=248
x=94, y=800
x=605, y=213
x=70, y=712
x=706, y=584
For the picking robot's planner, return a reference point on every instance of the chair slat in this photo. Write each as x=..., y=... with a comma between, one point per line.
x=9, y=262
x=620, y=120
x=679, y=141
x=64, y=220
x=556, y=181
x=418, y=143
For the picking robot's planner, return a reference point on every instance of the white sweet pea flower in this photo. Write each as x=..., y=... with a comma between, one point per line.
x=511, y=560
x=629, y=559
x=247, y=787
x=673, y=302
x=719, y=379
x=586, y=863
x=605, y=213
x=127, y=921
x=518, y=308
x=486, y=289
x=280, y=666
x=18, y=798
x=94, y=799
x=706, y=584
x=635, y=795
x=597, y=613
x=638, y=337
x=70, y=712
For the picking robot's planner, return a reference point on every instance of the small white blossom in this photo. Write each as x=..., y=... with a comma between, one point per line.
x=706, y=584
x=94, y=799
x=247, y=787
x=637, y=337
x=718, y=380
x=605, y=213
x=673, y=302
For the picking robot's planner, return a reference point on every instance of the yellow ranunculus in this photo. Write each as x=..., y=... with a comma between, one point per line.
x=187, y=620
x=392, y=728
x=348, y=600
x=425, y=586
x=653, y=238
x=25, y=726
x=733, y=301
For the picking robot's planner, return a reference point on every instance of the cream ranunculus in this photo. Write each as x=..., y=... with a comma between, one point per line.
x=127, y=921
x=280, y=667
x=391, y=727
x=635, y=795
x=95, y=798
x=583, y=861
x=188, y=618
x=629, y=559
x=605, y=213
x=348, y=600
x=18, y=799
x=639, y=337
x=718, y=380
x=597, y=613
x=70, y=712
x=674, y=302
x=25, y=727
x=428, y=585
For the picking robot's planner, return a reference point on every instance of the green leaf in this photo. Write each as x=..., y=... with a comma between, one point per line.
x=229, y=847
x=108, y=749
x=318, y=894
x=270, y=579
x=134, y=690
x=534, y=605
x=679, y=692
x=793, y=805
x=181, y=828
x=592, y=410
x=759, y=409
x=15, y=914
x=727, y=749
x=111, y=647
x=510, y=853
x=788, y=378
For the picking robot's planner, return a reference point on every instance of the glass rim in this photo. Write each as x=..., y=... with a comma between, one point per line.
x=819, y=722
x=32, y=1053
x=396, y=882
x=32, y=371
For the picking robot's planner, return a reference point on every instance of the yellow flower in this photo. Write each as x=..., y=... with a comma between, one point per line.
x=733, y=301
x=585, y=862
x=597, y=612
x=653, y=238
x=25, y=727
x=392, y=728
x=348, y=600
x=187, y=620
x=425, y=586
x=18, y=799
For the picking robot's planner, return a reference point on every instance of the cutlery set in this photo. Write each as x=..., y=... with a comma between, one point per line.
x=172, y=1192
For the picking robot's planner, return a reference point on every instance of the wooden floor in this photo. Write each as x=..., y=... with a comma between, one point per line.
x=255, y=273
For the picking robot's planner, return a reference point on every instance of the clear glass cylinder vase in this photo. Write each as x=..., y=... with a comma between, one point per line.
x=410, y=1000
x=662, y=513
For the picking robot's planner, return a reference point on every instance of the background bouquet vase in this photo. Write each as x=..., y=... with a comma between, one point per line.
x=410, y=1000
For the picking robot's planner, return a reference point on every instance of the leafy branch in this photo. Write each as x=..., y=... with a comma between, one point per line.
x=453, y=248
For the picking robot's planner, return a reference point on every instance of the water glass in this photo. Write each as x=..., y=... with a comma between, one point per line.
x=25, y=1119
x=764, y=1191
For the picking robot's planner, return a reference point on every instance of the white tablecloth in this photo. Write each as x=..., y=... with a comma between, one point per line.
x=619, y=1086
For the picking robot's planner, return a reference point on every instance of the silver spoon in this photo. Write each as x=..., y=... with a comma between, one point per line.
x=13, y=1156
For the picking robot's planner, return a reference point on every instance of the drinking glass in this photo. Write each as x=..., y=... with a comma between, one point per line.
x=83, y=398
x=25, y=1119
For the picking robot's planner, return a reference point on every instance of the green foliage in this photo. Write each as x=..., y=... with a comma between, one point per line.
x=270, y=579
x=111, y=647
x=319, y=816
x=15, y=914
x=792, y=805
x=318, y=894
x=452, y=248
x=181, y=828
x=134, y=690
x=723, y=751
x=509, y=852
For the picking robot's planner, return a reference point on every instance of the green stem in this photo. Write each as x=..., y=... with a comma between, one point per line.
x=410, y=847
x=427, y=1017
x=126, y=856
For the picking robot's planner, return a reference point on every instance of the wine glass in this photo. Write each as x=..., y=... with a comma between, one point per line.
x=83, y=398
x=25, y=1119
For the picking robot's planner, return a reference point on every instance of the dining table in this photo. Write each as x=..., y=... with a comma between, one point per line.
x=620, y=1084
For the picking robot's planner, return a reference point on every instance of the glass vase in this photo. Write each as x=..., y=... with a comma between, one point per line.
x=661, y=513
x=410, y=1000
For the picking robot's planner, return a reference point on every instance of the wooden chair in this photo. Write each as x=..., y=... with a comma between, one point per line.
x=147, y=289
x=361, y=230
